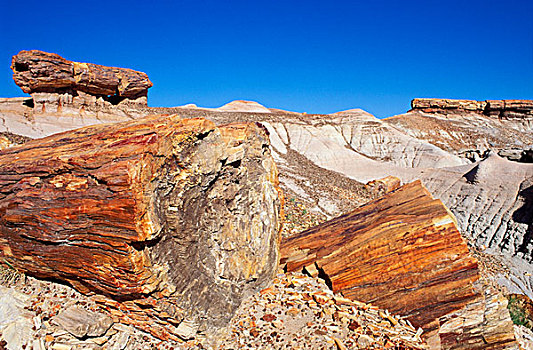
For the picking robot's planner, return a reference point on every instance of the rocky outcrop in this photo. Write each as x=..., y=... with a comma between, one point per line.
x=403, y=252
x=509, y=109
x=67, y=95
x=46, y=114
x=42, y=72
x=469, y=135
x=168, y=219
x=504, y=109
x=325, y=161
x=385, y=185
x=433, y=104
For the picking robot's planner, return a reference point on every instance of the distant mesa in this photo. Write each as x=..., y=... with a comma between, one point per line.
x=507, y=109
x=38, y=72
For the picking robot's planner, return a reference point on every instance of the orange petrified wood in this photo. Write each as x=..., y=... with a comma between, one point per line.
x=401, y=252
x=174, y=213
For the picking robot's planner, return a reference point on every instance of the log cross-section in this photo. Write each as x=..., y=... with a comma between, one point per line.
x=159, y=207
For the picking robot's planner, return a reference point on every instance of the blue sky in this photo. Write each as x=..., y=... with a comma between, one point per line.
x=309, y=56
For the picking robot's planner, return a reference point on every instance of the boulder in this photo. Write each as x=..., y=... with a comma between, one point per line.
x=42, y=72
x=176, y=215
x=16, y=325
x=403, y=252
x=83, y=323
x=385, y=185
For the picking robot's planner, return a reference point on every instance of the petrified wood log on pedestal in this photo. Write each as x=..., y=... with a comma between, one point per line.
x=38, y=71
x=404, y=253
x=176, y=212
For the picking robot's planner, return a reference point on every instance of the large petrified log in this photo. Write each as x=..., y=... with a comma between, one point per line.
x=404, y=253
x=42, y=72
x=175, y=214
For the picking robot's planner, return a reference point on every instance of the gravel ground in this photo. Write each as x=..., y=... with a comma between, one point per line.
x=295, y=312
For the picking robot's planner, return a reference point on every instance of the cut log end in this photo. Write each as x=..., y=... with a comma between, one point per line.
x=163, y=207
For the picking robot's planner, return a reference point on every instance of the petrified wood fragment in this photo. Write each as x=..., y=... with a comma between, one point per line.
x=38, y=72
x=401, y=252
x=152, y=209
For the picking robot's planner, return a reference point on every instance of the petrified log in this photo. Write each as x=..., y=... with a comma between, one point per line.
x=401, y=252
x=384, y=185
x=37, y=72
x=156, y=208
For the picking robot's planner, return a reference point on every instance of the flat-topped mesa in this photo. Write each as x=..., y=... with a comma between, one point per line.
x=175, y=219
x=436, y=104
x=37, y=73
x=508, y=109
x=403, y=252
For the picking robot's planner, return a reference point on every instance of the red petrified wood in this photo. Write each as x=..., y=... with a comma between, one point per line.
x=38, y=71
x=176, y=212
x=401, y=252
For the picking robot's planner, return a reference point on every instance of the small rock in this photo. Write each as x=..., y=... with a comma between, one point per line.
x=100, y=340
x=38, y=344
x=292, y=311
x=83, y=323
x=60, y=346
x=268, y=317
x=353, y=325
x=340, y=345
x=364, y=341
x=278, y=324
x=254, y=332
x=37, y=322
x=187, y=329
x=49, y=338
x=120, y=341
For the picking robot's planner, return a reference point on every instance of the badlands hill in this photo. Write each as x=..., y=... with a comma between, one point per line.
x=473, y=156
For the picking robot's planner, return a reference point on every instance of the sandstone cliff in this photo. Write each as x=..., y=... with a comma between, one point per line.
x=471, y=128
x=501, y=109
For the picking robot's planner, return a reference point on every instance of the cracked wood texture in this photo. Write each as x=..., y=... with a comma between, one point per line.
x=156, y=208
x=401, y=252
x=38, y=71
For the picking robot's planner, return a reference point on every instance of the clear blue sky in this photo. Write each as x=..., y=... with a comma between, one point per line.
x=312, y=56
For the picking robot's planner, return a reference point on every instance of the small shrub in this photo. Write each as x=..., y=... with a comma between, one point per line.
x=519, y=311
